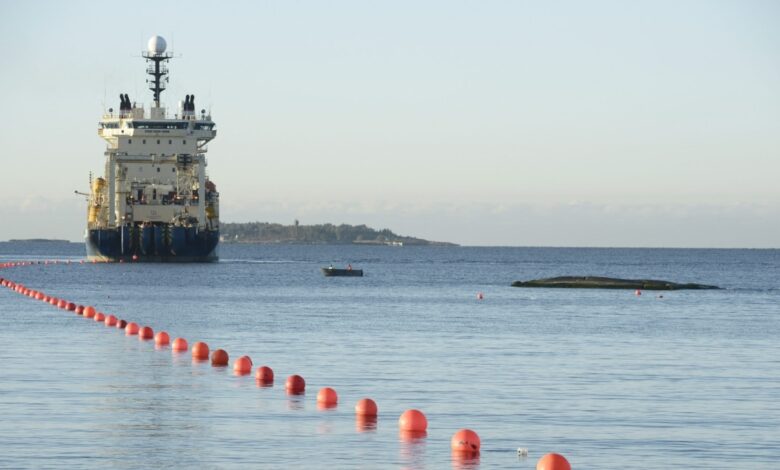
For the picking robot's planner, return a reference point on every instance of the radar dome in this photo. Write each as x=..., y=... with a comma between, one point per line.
x=156, y=45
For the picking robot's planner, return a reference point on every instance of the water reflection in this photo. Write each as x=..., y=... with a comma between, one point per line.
x=325, y=428
x=412, y=437
x=295, y=402
x=321, y=406
x=180, y=357
x=465, y=460
x=365, y=423
x=412, y=448
x=264, y=384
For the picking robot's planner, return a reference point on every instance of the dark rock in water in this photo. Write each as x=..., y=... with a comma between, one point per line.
x=608, y=283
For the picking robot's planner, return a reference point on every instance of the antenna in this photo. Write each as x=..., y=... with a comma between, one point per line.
x=156, y=55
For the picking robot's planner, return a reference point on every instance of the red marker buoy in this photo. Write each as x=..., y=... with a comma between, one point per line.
x=327, y=396
x=295, y=385
x=162, y=338
x=553, y=461
x=145, y=333
x=466, y=441
x=243, y=365
x=179, y=345
x=89, y=312
x=637, y=292
x=200, y=351
x=480, y=296
x=131, y=329
x=110, y=320
x=121, y=324
x=413, y=420
x=100, y=316
x=366, y=407
x=264, y=375
x=219, y=358
x=71, y=307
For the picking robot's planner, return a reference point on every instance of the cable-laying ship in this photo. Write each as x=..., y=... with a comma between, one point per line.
x=155, y=202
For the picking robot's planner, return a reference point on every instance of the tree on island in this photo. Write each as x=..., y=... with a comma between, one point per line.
x=265, y=232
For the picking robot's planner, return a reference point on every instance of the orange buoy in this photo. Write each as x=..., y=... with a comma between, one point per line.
x=121, y=324
x=637, y=292
x=79, y=309
x=200, y=351
x=100, y=316
x=89, y=312
x=295, y=385
x=480, y=296
x=327, y=396
x=62, y=303
x=40, y=296
x=146, y=333
x=219, y=358
x=179, y=345
x=162, y=338
x=53, y=300
x=131, y=329
x=553, y=461
x=243, y=365
x=135, y=257
x=70, y=307
x=413, y=420
x=366, y=407
x=264, y=375
x=110, y=320
x=465, y=440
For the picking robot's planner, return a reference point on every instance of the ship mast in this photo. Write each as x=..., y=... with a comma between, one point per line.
x=156, y=55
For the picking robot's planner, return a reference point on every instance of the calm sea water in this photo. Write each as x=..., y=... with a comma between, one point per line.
x=606, y=378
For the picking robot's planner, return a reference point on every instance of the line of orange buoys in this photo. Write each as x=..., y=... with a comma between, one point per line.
x=412, y=424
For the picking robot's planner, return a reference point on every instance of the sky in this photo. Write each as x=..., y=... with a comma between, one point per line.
x=513, y=123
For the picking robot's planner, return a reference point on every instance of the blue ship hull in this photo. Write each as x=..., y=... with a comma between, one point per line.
x=153, y=244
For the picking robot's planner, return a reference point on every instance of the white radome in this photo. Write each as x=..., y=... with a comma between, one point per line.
x=156, y=45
